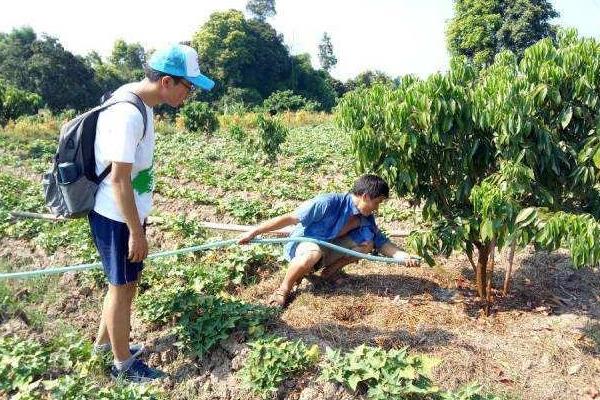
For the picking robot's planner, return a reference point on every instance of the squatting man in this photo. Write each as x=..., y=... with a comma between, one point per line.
x=344, y=219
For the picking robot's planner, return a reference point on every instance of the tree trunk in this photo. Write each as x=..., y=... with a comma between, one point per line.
x=489, y=276
x=483, y=252
x=507, y=277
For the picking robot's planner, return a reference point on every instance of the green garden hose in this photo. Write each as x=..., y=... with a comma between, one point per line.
x=207, y=246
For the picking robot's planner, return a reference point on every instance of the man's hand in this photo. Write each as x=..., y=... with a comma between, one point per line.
x=247, y=237
x=138, y=247
x=407, y=259
x=412, y=262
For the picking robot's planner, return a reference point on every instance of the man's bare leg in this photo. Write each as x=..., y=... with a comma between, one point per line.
x=102, y=337
x=116, y=317
x=299, y=267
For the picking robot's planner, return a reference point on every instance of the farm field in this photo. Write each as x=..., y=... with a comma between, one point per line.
x=203, y=317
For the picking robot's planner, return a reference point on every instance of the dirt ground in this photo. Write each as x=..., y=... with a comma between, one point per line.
x=541, y=342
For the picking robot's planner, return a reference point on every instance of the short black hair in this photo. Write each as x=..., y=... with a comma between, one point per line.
x=371, y=185
x=154, y=75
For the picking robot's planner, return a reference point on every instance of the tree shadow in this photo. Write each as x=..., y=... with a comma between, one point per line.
x=543, y=282
x=591, y=339
x=383, y=285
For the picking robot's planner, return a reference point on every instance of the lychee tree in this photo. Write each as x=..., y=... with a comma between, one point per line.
x=503, y=156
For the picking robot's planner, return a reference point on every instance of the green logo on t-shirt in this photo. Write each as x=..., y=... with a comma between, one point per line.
x=144, y=181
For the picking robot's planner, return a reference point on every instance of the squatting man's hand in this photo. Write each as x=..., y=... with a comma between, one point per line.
x=246, y=237
x=407, y=259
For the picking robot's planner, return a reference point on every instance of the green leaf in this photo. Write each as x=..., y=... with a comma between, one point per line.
x=353, y=382
x=526, y=216
x=487, y=229
x=428, y=363
x=565, y=117
x=597, y=158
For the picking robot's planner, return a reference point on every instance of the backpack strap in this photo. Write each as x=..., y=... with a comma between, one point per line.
x=125, y=97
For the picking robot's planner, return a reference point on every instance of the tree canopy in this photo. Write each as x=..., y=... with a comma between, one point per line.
x=327, y=57
x=500, y=156
x=261, y=9
x=482, y=28
x=44, y=67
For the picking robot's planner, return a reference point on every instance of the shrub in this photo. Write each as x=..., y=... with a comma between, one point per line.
x=286, y=100
x=237, y=133
x=198, y=117
x=271, y=134
x=499, y=157
x=16, y=102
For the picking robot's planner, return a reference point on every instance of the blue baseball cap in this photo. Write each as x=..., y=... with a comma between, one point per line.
x=182, y=61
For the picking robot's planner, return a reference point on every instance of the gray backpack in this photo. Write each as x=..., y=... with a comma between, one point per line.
x=70, y=186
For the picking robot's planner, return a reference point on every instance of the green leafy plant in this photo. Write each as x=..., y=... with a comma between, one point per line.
x=19, y=194
x=188, y=230
x=8, y=304
x=479, y=147
x=381, y=374
x=286, y=100
x=237, y=133
x=215, y=319
x=246, y=210
x=29, y=370
x=238, y=266
x=468, y=392
x=199, y=117
x=73, y=236
x=271, y=134
x=200, y=322
x=21, y=363
x=273, y=359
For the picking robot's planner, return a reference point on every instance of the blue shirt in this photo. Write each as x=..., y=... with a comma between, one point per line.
x=324, y=217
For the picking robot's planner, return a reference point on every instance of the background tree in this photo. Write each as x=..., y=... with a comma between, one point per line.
x=472, y=30
x=242, y=54
x=107, y=76
x=310, y=84
x=502, y=157
x=248, y=57
x=524, y=22
x=261, y=9
x=326, y=56
x=367, y=79
x=44, y=67
x=129, y=58
x=482, y=28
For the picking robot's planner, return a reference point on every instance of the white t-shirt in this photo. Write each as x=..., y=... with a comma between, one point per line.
x=119, y=138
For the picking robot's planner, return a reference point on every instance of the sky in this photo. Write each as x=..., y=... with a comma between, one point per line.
x=395, y=36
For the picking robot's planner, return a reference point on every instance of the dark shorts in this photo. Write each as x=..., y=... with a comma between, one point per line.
x=112, y=241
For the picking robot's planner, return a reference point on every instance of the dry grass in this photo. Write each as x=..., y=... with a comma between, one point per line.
x=530, y=347
x=290, y=119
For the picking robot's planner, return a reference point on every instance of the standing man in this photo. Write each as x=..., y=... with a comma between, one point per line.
x=344, y=219
x=124, y=198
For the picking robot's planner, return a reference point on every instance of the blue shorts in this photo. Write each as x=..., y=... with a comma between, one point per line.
x=112, y=241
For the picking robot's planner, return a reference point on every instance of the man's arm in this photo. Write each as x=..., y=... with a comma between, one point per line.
x=268, y=226
x=121, y=182
x=389, y=249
